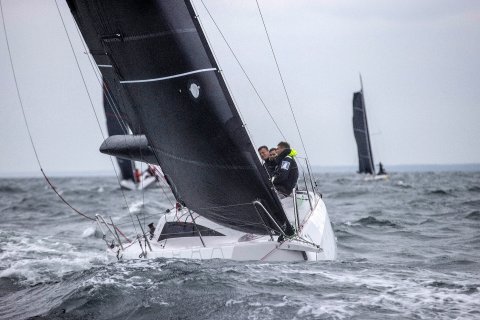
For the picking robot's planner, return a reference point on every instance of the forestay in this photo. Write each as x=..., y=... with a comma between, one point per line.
x=170, y=87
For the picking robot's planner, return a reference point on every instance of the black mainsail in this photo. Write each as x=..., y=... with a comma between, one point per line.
x=173, y=93
x=362, y=136
x=117, y=125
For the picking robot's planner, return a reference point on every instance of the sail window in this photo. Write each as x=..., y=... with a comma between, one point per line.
x=185, y=229
x=194, y=90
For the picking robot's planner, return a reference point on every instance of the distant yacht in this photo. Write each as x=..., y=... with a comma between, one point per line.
x=362, y=138
x=131, y=178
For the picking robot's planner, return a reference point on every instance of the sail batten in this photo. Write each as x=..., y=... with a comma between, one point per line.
x=190, y=121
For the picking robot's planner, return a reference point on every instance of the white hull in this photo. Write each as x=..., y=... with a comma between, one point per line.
x=376, y=177
x=315, y=241
x=147, y=182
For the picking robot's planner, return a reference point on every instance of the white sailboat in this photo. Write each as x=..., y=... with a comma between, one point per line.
x=182, y=117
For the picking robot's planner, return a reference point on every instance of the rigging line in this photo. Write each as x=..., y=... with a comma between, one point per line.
x=281, y=78
x=163, y=190
x=244, y=71
x=17, y=88
x=216, y=61
x=111, y=101
x=93, y=108
x=30, y=134
x=73, y=208
x=149, y=216
x=143, y=186
x=26, y=121
x=109, y=95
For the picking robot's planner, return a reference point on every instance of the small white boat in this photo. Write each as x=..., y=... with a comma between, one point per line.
x=147, y=181
x=376, y=177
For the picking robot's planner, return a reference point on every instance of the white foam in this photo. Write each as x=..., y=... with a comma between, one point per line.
x=89, y=232
x=39, y=260
x=136, y=207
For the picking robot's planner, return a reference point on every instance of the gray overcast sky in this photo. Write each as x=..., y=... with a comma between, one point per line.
x=419, y=60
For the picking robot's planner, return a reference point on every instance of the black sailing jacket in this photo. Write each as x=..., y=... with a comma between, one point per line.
x=286, y=173
x=270, y=166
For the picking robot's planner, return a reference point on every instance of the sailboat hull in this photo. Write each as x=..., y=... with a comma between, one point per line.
x=376, y=177
x=315, y=241
x=147, y=182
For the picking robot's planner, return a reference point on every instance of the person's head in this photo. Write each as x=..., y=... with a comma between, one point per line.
x=282, y=145
x=263, y=152
x=273, y=153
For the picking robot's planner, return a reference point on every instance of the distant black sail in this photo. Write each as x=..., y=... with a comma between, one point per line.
x=362, y=136
x=174, y=94
x=117, y=125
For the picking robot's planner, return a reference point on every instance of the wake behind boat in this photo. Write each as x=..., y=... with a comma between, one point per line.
x=183, y=119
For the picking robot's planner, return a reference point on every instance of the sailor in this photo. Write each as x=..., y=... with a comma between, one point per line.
x=273, y=153
x=151, y=170
x=381, y=170
x=286, y=172
x=137, y=174
x=268, y=163
x=151, y=228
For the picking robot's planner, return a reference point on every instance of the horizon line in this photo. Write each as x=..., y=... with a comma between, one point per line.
x=469, y=167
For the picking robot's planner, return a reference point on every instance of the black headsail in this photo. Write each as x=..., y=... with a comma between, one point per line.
x=178, y=99
x=117, y=125
x=362, y=136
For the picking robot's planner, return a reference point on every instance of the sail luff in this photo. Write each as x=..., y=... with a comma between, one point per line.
x=367, y=132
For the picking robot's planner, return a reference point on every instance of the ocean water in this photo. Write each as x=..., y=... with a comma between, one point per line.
x=409, y=248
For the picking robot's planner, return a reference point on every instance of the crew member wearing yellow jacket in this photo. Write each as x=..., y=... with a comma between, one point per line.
x=286, y=172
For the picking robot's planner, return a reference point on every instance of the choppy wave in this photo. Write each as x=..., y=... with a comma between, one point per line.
x=440, y=192
x=474, y=189
x=9, y=189
x=226, y=290
x=372, y=221
x=474, y=215
x=408, y=248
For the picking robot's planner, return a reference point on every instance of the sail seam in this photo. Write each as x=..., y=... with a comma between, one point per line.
x=149, y=36
x=203, y=164
x=170, y=77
